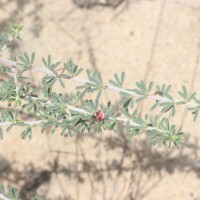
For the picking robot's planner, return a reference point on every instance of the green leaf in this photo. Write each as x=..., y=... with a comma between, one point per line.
x=139, y=121
x=49, y=81
x=61, y=83
x=27, y=133
x=79, y=71
x=27, y=58
x=13, y=193
x=49, y=60
x=126, y=101
x=150, y=86
x=164, y=91
x=122, y=78
x=66, y=76
x=32, y=57
x=140, y=99
x=44, y=62
x=155, y=105
x=48, y=124
x=157, y=137
x=168, y=106
x=118, y=82
x=1, y=133
x=26, y=61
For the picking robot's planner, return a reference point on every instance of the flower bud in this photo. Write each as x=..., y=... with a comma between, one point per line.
x=100, y=115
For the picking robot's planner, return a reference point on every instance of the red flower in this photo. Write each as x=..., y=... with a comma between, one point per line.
x=100, y=115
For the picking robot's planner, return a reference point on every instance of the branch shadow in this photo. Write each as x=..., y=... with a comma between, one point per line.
x=89, y=4
x=147, y=160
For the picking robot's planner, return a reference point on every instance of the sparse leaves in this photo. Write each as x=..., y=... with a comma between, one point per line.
x=164, y=133
x=26, y=61
x=76, y=112
x=185, y=95
x=118, y=81
x=95, y=83
x=71, y=69
x=27, y=133
x=168, y=106
x=142, y=90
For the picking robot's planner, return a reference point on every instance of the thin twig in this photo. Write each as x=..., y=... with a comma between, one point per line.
x=30, y=123
x=125, y=121
x=15, y=78
x=10, y=63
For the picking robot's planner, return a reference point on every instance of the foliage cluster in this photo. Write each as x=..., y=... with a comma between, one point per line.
x=77, y=113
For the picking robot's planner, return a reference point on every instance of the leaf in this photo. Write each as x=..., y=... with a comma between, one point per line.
x=32, y=57
x=1, y=133
x=27, y=133
x=70, y=132
x=100, y=77
x=13, y=193
x=157, y=137
x=61, y=83
x=140, y=99
x=117, y=78
x=27, y=58
x=150, y=86
x=79, y=71
x=139, y=121
x=44, y=62
x=99, y=95
x=49, y=60
x=122, y=78
x=65, y=76
x=48, y=124
x=125, y=102
x=113, y=83
x=155, y=105
x=168, y=106
x=49, y=81
x=118, y=82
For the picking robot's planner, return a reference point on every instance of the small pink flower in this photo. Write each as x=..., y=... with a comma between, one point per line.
x=100, y=115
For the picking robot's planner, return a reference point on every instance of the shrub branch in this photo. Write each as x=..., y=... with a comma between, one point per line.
x=13, y=64
x=51, y=110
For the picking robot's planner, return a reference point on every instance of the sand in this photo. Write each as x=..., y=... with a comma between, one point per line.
x=151, y=40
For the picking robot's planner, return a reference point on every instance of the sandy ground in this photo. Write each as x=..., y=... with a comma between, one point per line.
x=155, y=40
